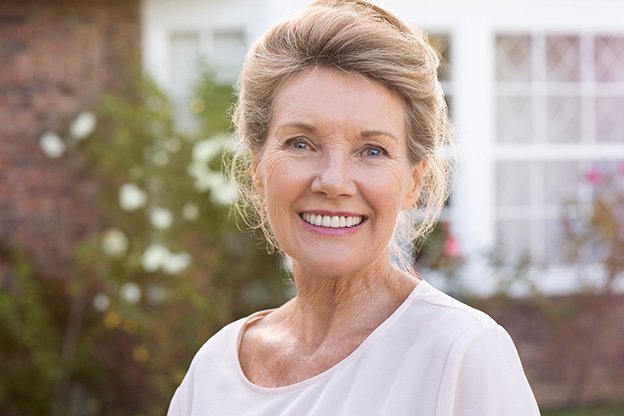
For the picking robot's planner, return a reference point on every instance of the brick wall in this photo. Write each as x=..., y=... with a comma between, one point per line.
x=572, y=347
x=56, y=59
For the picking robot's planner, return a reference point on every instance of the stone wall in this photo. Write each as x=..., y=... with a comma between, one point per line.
x=57, y=58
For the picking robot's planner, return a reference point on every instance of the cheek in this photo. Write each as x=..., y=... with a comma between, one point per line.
x=283, y=180
x=385, y=185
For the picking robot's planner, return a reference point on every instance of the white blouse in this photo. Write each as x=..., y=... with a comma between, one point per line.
x=434, y=356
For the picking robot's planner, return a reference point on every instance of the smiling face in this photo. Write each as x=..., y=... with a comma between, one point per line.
x=334, y=172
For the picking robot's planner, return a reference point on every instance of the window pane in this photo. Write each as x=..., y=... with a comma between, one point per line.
x=564, y=119
x=514, y=119
x=513, y=180
x=561, y=182
x=609, y=58
x=563, y=58
x=228, y=52
x=514, y=63
x=556, y=246
x=513, y=240
x=184, y=75
x=606, y=175
x=610, y=119
x=184, y=60
x=442, y=43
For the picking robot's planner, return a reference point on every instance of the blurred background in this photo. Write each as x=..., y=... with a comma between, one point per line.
x=118, y=253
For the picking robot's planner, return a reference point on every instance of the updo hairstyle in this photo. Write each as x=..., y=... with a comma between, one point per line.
x=362, y=39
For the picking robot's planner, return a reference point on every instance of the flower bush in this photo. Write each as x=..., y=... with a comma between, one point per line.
x=595, y=233
x=441, y=257
x=166, y=270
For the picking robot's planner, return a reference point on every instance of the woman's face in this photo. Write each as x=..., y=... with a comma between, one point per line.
x=334, y=172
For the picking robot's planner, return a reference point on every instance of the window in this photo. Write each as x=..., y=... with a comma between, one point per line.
x=441, y=42
x=184, y=64
x=220, y=50
x=559, y=114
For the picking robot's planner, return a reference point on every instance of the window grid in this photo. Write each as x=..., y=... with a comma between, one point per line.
x=554, y=113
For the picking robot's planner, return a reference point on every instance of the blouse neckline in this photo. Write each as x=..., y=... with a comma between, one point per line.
x=360, y=350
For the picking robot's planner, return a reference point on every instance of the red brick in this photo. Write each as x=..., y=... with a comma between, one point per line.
x=56, y=59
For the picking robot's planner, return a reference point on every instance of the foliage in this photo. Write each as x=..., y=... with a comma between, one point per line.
x=29, y=330
x=441, y=255
x=166, y=271
x=595, y=234
x=170, y=269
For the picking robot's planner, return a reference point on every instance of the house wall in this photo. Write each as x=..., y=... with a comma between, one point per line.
x=56, y=59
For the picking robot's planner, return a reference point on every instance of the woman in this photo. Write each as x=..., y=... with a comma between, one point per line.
x=343, y=121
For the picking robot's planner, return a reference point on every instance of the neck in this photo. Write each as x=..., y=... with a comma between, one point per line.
x=328, y=307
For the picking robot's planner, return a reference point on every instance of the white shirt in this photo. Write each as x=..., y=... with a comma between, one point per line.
x=434, y=356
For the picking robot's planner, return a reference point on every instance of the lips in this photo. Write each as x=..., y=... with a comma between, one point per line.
x=332, y=221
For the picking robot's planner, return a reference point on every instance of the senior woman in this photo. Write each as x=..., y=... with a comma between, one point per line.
x=343, y=121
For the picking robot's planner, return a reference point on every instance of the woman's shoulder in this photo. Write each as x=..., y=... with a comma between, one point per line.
x=443, y=317
x=442, y=303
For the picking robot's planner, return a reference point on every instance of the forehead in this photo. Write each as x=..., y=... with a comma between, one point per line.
x=331, y=97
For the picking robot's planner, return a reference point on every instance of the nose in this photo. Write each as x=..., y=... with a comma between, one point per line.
x=334, y=177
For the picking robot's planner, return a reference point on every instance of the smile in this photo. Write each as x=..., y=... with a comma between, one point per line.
x=328, y=221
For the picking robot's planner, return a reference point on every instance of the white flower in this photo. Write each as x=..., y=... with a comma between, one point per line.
x=153, y=256
x=157, y=257
x=82, y=126
x=161, y=218
x=224, y=193
x=114, y=242
x=206, y=150
x=101, y=302
x=204, y=177
x=52, y=145
x=131, y=197
x=175, y=263
x=131, y=292
x=190, y=212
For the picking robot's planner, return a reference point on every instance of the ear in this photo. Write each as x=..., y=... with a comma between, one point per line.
x=415, y=184
x=258, y=180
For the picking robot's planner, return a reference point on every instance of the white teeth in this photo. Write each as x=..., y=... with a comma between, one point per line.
x=332, y=221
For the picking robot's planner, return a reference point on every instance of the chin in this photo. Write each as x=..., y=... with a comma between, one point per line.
x=332, y=264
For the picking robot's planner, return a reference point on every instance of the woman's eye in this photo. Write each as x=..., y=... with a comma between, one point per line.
x=299, y=145
x=374, y=151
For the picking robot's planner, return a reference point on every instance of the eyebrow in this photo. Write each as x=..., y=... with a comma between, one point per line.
x=312, y=129
x=373, y=133
x=298, y=125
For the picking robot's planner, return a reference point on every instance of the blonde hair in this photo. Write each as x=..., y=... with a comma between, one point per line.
x=359, y=38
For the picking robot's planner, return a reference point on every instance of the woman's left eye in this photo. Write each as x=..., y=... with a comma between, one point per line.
x=374, y=151
x=298, y=144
